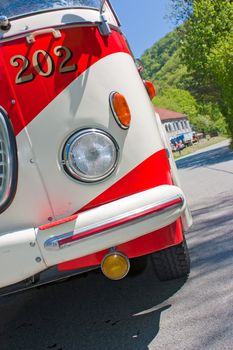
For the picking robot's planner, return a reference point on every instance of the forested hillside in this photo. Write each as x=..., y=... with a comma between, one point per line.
x=176, y=88
x=162, y=63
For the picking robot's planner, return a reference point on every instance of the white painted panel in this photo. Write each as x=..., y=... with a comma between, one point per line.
x=44, y=190
x=18, y=259
x=84, y=104
x=30, y=206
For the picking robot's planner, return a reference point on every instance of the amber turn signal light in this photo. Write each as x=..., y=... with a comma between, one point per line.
x=120, y=109
x=150, y=89
x=115, y=265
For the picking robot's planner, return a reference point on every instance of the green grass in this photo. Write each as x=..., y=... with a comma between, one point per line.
x=198, y=146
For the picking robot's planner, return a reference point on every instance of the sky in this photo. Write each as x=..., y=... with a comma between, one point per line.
x=142, y=24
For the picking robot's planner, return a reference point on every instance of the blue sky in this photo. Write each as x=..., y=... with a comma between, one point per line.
x=143, y=24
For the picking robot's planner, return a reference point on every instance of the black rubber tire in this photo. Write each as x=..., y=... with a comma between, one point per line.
x=172, y=263
x=138, y=265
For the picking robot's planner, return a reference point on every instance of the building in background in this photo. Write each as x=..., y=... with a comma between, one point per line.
x=176, y=125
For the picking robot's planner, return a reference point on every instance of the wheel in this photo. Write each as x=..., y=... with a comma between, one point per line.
x=172, y=263
x=138, y=265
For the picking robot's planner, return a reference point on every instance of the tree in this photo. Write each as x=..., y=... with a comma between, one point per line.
x=221, y=63
x=181, y=10
x=207, y=48
x=178, y=100
x=206, y=117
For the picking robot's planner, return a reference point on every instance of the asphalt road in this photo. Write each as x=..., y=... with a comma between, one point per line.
x=93, y=313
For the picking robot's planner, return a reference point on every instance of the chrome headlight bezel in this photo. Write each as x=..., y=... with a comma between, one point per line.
x=8, y=161
x=73, y=171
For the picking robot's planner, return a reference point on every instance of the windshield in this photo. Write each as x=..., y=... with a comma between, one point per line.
x=11, y=8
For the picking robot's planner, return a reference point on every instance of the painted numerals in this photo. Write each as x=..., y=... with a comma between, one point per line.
x=61, y=51
x=38, y=59
x=20, y=77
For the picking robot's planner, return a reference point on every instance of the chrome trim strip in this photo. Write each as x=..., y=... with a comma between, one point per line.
x=55, y=243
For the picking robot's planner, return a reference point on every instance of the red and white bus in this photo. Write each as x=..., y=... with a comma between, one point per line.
x=87, y=178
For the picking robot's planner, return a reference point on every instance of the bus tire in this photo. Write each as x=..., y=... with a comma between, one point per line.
x=172, y=262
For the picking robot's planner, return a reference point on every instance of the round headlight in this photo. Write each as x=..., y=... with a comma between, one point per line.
x=90, y=155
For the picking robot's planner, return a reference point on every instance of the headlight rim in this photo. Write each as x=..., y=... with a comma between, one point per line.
x=12, y=160
x=65, y=152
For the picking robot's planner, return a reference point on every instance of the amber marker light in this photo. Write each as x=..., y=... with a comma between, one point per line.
x=115, y=265
x=150, y=89
x=120, y=110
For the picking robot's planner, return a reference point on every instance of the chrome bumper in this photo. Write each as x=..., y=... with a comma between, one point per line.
x=76, y=235
x=34, y=250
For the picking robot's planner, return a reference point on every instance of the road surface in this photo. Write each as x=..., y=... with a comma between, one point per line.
x=93, y=313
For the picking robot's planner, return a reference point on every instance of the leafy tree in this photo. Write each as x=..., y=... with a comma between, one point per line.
x=178, y=100
x=181, y=10
x=212, y=111
x=207, y=48
x=221, y=64
x=204, y=117
x=172, y=69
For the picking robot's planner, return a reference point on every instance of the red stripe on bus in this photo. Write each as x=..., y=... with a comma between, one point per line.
x=152, y=172
x=87, y=47
x=58, y=222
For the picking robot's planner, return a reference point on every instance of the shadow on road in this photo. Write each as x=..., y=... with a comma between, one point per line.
x=212, y=157
x=87, y=313
x=210, y=239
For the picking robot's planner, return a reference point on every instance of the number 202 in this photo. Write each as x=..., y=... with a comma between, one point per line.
x=59, y=51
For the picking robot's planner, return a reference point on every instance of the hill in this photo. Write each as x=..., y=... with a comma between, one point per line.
x=163, y=65
x=175, y=87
